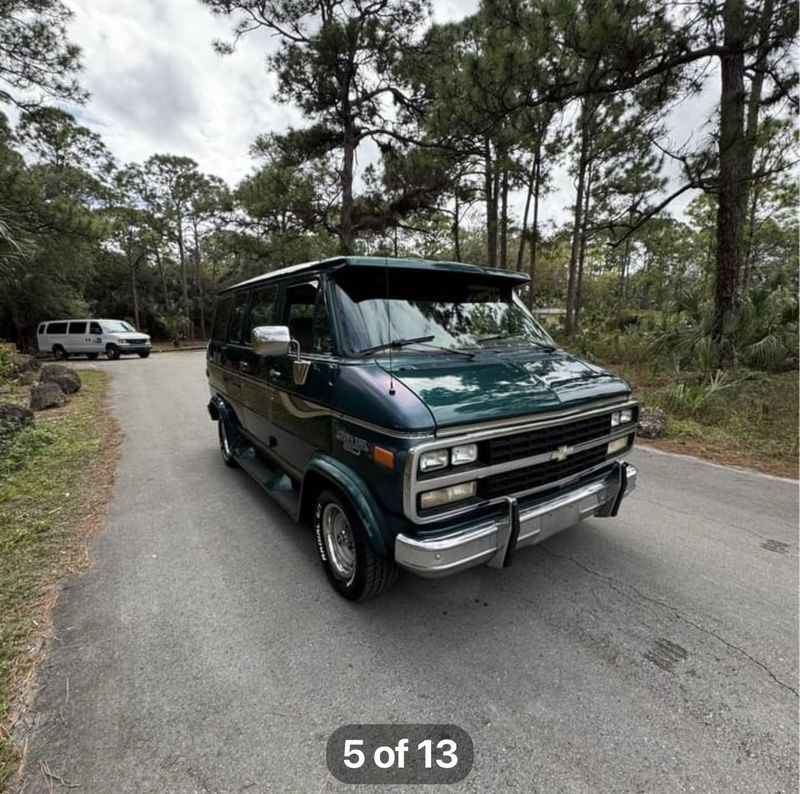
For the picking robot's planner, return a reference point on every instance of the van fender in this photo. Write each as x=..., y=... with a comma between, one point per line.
x=220, y=411
x=353, y=486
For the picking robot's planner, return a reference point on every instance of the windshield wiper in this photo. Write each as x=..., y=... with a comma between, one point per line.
x=455, y=350
x=541, y=345
x=395, y=344
x=420, y=340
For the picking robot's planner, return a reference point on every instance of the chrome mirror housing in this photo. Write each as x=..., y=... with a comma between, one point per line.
x=271, y=340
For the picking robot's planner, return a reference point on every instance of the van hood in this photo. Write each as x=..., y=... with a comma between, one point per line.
x=504, y=385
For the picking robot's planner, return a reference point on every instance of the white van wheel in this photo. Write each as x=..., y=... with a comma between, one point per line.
x=59, y=352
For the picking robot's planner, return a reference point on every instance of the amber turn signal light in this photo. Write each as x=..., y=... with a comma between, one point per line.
x=383, y=457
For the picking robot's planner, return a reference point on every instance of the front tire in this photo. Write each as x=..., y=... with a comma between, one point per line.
x=352, y=566
x=144, y=354
x=112, y=351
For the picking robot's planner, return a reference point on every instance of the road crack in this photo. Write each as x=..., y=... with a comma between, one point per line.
x=615, y=586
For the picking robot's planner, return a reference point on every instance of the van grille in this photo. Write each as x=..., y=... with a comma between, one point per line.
x=510, y=482
x=536, y=442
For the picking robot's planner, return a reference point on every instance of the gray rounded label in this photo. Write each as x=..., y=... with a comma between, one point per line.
x=399, y=754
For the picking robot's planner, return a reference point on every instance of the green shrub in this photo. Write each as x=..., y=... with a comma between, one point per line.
x=8, y=369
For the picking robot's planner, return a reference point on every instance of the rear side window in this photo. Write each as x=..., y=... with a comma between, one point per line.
x=77, y=328
x=42, y=328
x=221, y=318
x=262, y=310
x=236, y=324
x=57, y=328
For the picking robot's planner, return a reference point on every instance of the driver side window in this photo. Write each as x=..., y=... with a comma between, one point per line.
x=305, y=314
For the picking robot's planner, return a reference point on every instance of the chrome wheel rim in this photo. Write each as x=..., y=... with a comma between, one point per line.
x=338, y=537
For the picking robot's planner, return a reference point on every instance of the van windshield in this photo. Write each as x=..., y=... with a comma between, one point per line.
x=117, y=327
x=459, y=311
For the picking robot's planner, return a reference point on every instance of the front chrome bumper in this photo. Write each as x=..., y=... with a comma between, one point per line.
x=493, y=542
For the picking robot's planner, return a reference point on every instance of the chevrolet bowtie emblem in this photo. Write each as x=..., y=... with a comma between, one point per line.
x=562, y=453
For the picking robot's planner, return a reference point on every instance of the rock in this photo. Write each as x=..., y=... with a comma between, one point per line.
x=27, y=363
x=12, y=419
x=46, y=395
x=651, y=423
x=66, y=377
x=28, y=377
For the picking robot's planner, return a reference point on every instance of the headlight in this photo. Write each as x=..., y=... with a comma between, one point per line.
x=436, y=459
x=466, y=453
x=617, y=445
x=445, y=496
x=621, y=417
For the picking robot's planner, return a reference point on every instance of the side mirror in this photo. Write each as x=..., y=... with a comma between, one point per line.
x=271, y=340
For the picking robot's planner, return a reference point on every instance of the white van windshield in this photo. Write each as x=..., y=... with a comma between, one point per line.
x=117, y=327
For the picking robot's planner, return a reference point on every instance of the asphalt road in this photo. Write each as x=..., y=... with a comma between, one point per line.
x=205, y=652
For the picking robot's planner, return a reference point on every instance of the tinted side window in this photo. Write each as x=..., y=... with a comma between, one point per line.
x=221, y=318
x=94, y=328
x=304, y=312
x=42, y=328
x=236, y=324
x=262, y=309
x=77, y=328
x=57, y=328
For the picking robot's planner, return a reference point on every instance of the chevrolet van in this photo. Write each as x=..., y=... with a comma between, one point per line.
x=415, y=413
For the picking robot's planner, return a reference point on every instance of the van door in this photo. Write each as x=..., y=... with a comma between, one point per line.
x=256, y=390
x=94, y=340
x=301, y=412
x=234, y=352
x=76, y=336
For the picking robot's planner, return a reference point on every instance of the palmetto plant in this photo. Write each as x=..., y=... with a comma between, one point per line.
x=691, y=398
x=764, y=329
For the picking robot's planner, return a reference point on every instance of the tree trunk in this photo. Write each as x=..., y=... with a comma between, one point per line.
x=184, y=279
x=457, y=227
x=162, y=277
x=732, y=163
x=535, y=224
x=135, y=293
x=525, y=214
x=491, y=205
x=504, y=219
x=751, y=192
x=574, y=258
x=346, y=225
x=198, y=275
x=749, y=255
x=584, y=239
x=626, y=260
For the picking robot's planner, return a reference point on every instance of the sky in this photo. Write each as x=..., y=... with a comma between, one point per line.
x=158, y=86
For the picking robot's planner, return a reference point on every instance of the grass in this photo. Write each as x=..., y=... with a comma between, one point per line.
x=742, y=418
x=54, y=480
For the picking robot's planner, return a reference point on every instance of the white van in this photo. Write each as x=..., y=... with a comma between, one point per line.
x=65, y=338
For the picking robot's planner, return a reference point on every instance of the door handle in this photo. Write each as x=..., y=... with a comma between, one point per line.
x=246, y=366
x=275, y=373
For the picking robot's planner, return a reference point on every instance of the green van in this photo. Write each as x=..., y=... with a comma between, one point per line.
x=415, y=413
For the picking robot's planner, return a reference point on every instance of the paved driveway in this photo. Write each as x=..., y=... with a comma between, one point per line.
x=205, y=652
